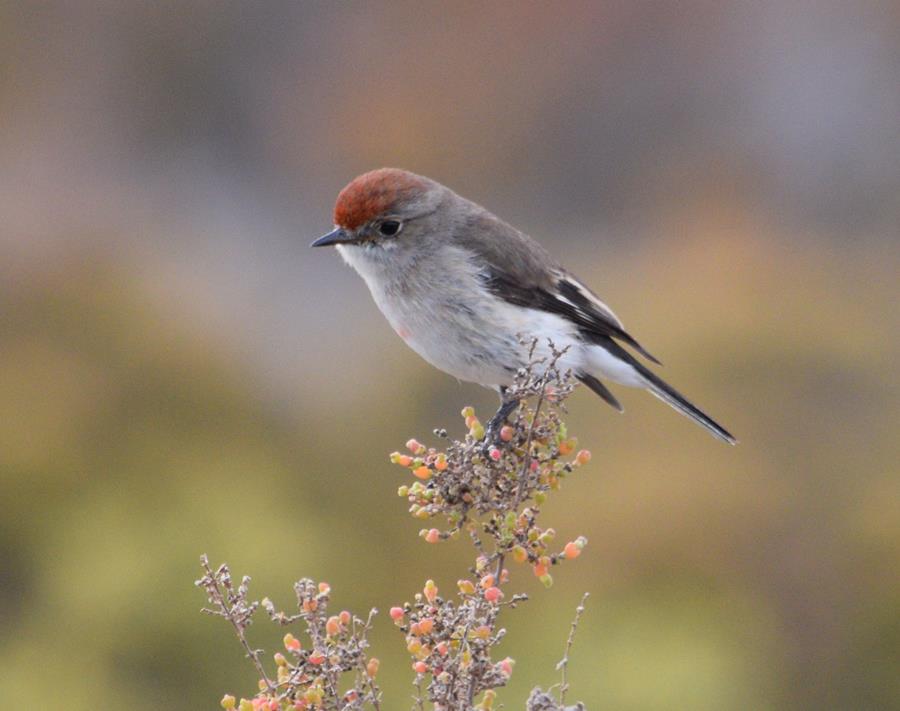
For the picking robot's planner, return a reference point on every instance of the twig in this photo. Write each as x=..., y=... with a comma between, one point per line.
x=564, y=662
x=227, y=610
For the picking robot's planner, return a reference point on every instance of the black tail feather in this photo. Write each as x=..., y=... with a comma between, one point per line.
x=601, y=390
x=665, y=392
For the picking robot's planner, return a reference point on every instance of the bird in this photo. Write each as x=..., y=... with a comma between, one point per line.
x=462, y=287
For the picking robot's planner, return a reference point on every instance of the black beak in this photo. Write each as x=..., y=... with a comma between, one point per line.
x=336, y=236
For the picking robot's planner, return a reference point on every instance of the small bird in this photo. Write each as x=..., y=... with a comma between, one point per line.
x=462, y=288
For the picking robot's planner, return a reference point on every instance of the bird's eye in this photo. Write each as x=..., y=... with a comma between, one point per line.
x=389, y=228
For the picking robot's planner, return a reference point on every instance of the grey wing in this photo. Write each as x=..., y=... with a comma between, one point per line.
x=517, y=269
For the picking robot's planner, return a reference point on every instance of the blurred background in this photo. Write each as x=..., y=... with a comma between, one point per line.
x=180, y=374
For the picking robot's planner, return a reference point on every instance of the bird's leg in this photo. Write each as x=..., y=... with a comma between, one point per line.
x=507, y=407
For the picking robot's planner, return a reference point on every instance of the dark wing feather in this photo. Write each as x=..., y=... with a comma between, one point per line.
x=518, y=270
x=567, y=300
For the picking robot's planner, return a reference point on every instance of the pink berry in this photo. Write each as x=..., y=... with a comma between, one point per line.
x=420, y=667
x=493, y=594
x=396, y=614
x=495, y=454
x=506, y=433
x=433, y=536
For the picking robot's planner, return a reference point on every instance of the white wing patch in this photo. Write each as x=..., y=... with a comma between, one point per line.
x=590, y=296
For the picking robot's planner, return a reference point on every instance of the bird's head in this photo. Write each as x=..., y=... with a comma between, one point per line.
x=384, y=208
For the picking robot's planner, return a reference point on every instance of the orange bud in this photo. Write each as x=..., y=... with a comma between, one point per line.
x=422, y=472
x=583, y=457
x=372, y=667
x=426, y=624
x=332, y=626
x=433, y=536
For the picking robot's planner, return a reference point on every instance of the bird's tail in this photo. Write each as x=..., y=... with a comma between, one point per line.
x=669, y=395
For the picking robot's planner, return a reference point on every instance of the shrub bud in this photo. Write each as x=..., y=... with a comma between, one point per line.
x=396, y=614
x=572, y=550
x=430, y=591
x=493, y=594
x=415, y=446
x=332, y=626
x=372, y=667
x=467, y=587
x=426, y=624
x=227, y=702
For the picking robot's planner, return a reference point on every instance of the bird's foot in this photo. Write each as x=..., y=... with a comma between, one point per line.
x=496, y=423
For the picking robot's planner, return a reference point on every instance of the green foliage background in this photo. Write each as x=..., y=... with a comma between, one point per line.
x=178, y=374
